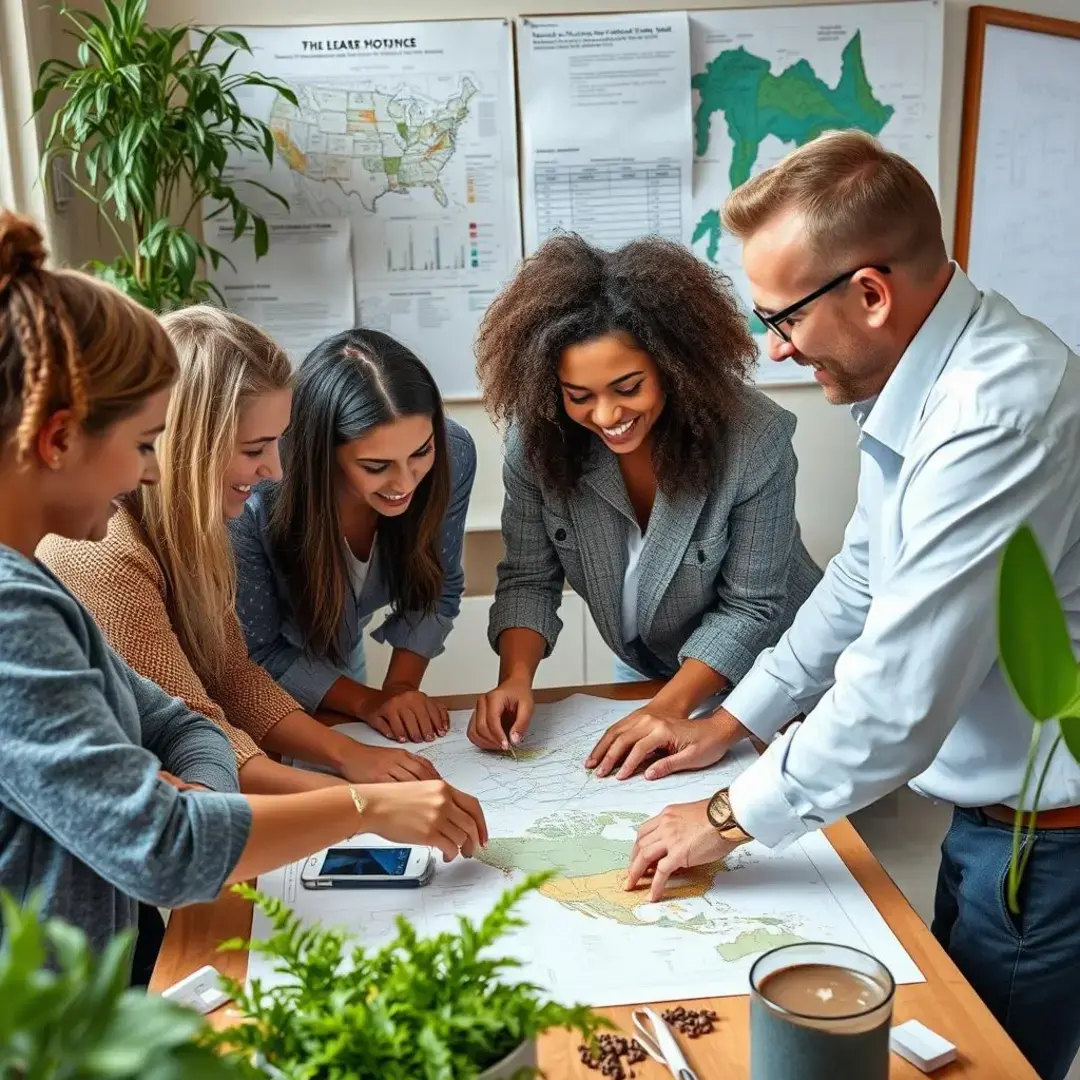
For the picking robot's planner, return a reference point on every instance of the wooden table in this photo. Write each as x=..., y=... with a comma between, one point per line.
x=944, y=1002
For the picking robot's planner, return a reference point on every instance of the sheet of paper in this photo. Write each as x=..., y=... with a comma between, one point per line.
x=605, y=126
x=766, y=80
x=1025, y=218
x=300, y=291
x=408, y=131
x=546, y=811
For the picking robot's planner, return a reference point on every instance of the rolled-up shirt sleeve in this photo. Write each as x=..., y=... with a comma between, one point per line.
x=928, y=641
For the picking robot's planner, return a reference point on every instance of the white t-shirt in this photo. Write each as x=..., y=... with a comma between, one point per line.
x=358, y=569
x=635, y=541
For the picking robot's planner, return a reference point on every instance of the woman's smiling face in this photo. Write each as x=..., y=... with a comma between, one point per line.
x=612, y=387
x=385, y=467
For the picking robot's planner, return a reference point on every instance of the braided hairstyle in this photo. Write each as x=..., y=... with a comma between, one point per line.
x=674, y=307
x=68, y=341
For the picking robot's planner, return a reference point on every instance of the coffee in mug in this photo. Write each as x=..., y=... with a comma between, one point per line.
x=819, y=1012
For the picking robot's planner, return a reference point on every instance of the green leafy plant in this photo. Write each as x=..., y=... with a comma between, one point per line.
x=1037, y=657
x=417, y=1009
x=145, y=130
x=66, y=1014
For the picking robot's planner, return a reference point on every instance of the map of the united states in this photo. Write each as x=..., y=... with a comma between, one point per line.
x=370, y=143
x=794, y=107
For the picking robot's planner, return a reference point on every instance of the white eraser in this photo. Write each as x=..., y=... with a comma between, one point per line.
x=925, y=1049
x=200, y=991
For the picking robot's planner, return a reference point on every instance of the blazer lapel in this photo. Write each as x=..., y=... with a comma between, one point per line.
x=671, y=524
x=601, y=473
x=602, y=530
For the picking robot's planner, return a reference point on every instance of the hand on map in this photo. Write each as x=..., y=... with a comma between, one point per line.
x=431, y=813
x=379, y=765
x=406, y=714
x=676, y=839
x=502, y=716
x=683, y=744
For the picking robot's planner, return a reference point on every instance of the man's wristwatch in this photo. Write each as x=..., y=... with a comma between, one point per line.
x=722, y=819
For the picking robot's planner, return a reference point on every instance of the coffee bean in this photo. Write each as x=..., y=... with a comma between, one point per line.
x=691, y=1022
x=616, y=1054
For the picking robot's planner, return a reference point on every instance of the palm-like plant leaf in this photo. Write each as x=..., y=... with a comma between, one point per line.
x=148, y=121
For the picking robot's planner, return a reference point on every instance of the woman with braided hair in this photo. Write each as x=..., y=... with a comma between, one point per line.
x=112, y=792
x=641, y=469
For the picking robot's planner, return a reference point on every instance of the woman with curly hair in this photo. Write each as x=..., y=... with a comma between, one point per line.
x=643, y=470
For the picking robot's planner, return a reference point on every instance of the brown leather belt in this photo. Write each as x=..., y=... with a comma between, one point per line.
x=1065, y=817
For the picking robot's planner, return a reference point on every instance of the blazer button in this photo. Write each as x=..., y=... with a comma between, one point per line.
x=700, y=556
x=560, y=535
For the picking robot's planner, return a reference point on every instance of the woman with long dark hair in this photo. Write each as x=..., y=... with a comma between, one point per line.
x=370, y=514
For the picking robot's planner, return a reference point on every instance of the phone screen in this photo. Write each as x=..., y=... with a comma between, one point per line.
x=365, y=862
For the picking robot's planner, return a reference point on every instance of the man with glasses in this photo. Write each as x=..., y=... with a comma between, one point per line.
x=969, y=417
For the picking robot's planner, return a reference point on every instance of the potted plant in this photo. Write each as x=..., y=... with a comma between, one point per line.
x=66, y=1014
x=1037, y=656
x=438, y=1008
x=145, y=131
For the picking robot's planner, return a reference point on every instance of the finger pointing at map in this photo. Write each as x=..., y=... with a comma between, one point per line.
x=501, y=718
x=677, y=839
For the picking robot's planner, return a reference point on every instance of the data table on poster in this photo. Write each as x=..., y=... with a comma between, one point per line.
x=610, y=204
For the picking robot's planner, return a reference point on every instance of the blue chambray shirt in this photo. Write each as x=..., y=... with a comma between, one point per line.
x=263, y=608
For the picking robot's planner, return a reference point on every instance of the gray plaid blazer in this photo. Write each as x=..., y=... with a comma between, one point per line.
x=722, y=571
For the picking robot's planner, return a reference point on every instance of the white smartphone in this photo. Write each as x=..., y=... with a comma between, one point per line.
x=368, y=868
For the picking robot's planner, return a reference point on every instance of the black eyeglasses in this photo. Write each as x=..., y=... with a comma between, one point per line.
x=773, y=321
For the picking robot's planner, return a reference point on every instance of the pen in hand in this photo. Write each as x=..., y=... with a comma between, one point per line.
x=507, y=740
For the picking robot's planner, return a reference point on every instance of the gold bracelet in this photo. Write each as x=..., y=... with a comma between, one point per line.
x=358, y=800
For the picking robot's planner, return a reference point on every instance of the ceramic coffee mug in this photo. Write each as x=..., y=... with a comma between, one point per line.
x=819, y=1012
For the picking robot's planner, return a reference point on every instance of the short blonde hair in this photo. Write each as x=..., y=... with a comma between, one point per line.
x=858, y=201
x=224, y=362
x=69, y=341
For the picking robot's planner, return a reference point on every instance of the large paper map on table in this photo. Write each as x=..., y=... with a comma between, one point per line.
x=587, y=939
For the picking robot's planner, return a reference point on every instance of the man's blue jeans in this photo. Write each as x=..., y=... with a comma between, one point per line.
x=1025, y=967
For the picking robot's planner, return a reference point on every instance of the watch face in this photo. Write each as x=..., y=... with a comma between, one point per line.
x=720, y=811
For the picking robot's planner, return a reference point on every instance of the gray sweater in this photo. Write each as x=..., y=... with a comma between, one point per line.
x=85, y=820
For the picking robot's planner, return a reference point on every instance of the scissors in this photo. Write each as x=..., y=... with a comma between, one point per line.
x=659, y=1042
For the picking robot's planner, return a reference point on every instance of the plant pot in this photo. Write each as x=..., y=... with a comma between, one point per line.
x=524, y=1057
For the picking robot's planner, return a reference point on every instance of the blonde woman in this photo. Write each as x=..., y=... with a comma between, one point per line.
x=111, y=791
x=162, y=584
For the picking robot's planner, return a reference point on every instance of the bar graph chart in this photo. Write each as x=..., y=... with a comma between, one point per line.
x=413, y=247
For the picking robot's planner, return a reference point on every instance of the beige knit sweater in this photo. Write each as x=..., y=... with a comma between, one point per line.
x=123, y=586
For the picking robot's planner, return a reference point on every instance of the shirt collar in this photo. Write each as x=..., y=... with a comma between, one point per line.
x=891, y=416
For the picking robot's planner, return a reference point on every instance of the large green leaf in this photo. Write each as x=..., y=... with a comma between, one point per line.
x=1033, y=640
x=1069, y=720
